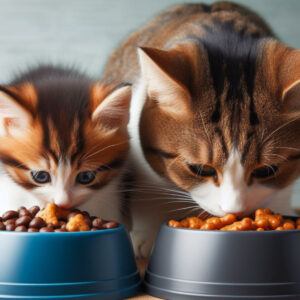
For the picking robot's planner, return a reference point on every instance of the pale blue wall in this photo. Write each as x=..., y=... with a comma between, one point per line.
x=85, y=31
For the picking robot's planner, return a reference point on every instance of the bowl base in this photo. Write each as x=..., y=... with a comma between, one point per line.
x=174, y=295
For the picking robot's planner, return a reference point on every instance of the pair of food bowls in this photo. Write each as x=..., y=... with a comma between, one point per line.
x=68, y=265
x=224, y=265
x=185, y=264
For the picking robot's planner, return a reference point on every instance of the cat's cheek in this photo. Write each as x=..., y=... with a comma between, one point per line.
x=81, y=195
x=206, y=195
x=42, y=193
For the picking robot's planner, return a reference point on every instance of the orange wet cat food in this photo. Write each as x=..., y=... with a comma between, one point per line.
x=262, y=220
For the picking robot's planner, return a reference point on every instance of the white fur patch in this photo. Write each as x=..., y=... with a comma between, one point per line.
x=233, y=195
x=64, y=192
x=136, y=153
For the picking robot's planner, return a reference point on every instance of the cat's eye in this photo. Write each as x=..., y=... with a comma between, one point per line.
x=264, y=172
x=40, y=177
x=85, y=177
x=203, y=170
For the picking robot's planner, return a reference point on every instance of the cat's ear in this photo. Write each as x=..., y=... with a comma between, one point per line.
x=160, y=71
x=16, y=113
x=290, y=81
x=112, y=111
x=291, y=97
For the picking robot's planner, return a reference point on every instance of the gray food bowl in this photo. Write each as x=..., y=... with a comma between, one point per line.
x=194, y=264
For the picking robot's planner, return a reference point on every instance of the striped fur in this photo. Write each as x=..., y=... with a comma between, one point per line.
x=211, y=84
x=60, y=121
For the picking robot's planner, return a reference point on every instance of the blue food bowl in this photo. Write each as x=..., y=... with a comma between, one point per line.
x=68, y=265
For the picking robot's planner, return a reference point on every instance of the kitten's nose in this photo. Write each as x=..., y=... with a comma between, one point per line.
x=65, y=206
x=63, y=200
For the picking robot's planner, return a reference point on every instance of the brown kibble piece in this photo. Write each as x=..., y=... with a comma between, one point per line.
x=110, y=225
x=2, y=226
x=10, y=227
x=24, y=212
x=21, y=228
x=10, y=222
x=98, y=223
x=24, y=220
x=9, y=215
x=37, y=222
x=60, y=230
x=34, y=210
x=46, y=229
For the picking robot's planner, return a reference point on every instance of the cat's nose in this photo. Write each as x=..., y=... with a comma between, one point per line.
x=236, y=207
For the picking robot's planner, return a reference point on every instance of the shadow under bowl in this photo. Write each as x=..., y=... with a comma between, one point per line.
x=68, y=265
x=194, y=264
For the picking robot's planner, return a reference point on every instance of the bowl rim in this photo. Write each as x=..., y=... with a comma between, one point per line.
x=248, y=232
x=115, y=230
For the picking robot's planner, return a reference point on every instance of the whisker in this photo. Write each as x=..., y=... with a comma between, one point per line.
x=288, y=148
x=85, y=157
x=279, y=128
x=205, y=128
x=278, y=155
x=183, y=208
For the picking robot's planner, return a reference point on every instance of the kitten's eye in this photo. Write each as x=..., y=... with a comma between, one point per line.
x=41, y=176
x=85, y=177
x=264, y=172
x=203, y=170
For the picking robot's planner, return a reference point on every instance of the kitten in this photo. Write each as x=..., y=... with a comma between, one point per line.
x=63, y=139
x=214, y=114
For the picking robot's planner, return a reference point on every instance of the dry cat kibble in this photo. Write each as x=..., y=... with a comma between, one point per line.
x=52, y=219
x=263, y=219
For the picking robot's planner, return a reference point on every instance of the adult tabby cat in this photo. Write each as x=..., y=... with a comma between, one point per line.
x=63, y=139
x=215, y=112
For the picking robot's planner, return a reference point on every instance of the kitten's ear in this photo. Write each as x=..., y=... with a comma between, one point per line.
x=15, y=113
x=112, y=112
x=159, y=70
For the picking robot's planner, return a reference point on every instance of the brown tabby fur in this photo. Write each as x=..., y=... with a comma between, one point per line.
x=238, y=90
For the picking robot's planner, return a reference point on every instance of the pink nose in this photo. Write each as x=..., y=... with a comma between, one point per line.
x=65, y=203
